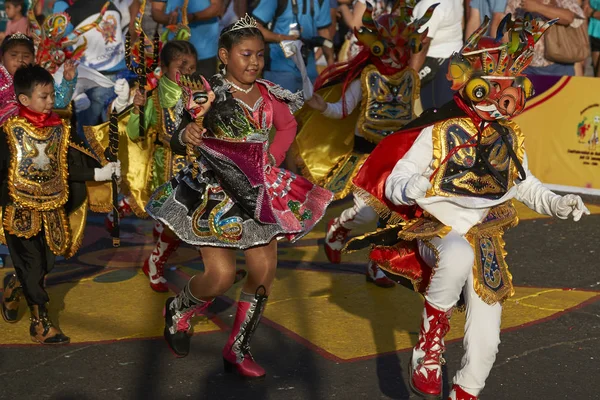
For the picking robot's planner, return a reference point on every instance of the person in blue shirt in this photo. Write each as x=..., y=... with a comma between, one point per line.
x=591, y=9
x=312, y=18
x=479, y=9
x=203, y=20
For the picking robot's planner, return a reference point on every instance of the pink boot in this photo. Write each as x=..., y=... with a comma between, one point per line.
x=236, y=353
x=178, y=313
x=154, y=265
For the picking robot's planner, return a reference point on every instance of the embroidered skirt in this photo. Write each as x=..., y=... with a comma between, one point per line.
x=230, y=197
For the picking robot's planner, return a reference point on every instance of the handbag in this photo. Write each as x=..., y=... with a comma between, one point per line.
x=565, y=44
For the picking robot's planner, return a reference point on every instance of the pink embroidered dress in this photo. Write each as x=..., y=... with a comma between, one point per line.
x=232, y=195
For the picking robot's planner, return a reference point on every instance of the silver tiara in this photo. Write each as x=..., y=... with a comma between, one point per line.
x=19, y=35
x=244, y=23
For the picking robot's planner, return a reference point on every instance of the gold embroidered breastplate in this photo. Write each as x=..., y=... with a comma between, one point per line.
x=388, y=102
x=468, y=171
x=38, y=169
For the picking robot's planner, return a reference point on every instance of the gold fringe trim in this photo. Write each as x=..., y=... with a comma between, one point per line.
x=2, y=237
x=392, y=217
x=95, y=144
x=79, y=218
x=65, y=228
x=83, y=150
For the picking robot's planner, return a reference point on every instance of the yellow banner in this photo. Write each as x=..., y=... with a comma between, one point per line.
x=561, y=126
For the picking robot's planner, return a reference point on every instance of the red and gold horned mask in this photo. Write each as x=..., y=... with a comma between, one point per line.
x=392, y=37
x=490, y=72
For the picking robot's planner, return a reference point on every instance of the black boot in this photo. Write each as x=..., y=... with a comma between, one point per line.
x=42, y=330
x=11, y=298
x=178, y=313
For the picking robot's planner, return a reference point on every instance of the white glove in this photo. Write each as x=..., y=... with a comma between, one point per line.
x=82, y=102
x=416, y=187
x=570, y=204
x=122, y=91
x=105, y=173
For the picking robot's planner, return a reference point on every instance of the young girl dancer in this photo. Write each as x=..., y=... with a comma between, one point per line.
x=233, y=196
x=162, y=116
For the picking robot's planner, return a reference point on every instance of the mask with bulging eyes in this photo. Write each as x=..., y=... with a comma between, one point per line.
x=495, y=98
x=489, y=73
x=197, y=94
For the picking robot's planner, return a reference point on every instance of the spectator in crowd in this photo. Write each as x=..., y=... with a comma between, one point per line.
x=105, y=50
x=479, y=9
x=352, y=12
x=229, y=16
x=568, y=12
x=289, y=20
x=17, y=22
x=149, y=26
x=445, y=36
x=3, y=18
x=203, y=20
x=591, y=9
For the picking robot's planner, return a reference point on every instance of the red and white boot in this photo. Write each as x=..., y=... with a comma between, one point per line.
x=459, y=393
x=124, y=210
x=334, y=240
x=425, y=368
x=157, y=230
x=236, y=353
x=375, y=275
x=154, y=265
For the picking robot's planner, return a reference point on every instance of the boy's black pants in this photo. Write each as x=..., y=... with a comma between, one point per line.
x=32, y=260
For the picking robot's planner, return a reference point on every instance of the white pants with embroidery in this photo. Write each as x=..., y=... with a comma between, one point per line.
x=359, y=214
x=453, y=274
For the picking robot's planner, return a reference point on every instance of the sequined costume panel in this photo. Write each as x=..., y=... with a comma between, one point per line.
x=388, y=102
x=467, y=171
x=230, y=196
x=37, y=177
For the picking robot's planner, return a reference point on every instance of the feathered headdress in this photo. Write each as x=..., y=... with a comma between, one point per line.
x=486, y=56
x=391, y=37
x=53, y=47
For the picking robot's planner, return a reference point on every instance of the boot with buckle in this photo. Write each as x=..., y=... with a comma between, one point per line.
x=42, y=330
x=11, y=298
x=236, y=353
x=178, y=312
x=334, y=240
x=154, y=265
x=425, y=368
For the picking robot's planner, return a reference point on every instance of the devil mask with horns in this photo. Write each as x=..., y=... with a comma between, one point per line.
x=489, y=74
x=392, y=37
x=197, y=94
